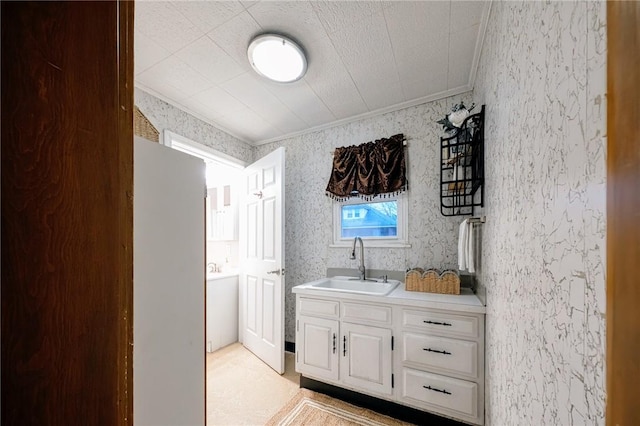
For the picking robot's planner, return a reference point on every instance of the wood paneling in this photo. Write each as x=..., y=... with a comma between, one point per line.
x=623, y=213
x=67, y=233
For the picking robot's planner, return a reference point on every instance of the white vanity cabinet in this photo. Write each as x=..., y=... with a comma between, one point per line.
x=317, y=334
x=336, y=343
x=420, y=350
x=317, y=354
x=365, y=361
x=221, y=310
x=442, y=362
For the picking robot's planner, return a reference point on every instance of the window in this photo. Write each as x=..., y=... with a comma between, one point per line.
x=380, y=222
x=352, y=213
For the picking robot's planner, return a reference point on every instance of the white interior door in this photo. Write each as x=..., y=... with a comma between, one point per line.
x=262, y=253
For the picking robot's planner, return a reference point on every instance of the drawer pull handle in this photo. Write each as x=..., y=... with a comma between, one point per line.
x=436, y=323
x=437, y=390
x=344, y=345
x=436, y=351
x=334, y=343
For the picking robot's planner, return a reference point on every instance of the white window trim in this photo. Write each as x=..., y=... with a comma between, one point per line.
x=400, y=241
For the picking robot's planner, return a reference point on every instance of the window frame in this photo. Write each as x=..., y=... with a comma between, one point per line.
x=401, y=240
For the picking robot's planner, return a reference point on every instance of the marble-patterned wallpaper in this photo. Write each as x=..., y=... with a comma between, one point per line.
x=165, y=116
x=542, y=75
x=308, y=232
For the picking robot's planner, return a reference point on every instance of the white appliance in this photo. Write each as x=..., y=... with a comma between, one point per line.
x=169, y=287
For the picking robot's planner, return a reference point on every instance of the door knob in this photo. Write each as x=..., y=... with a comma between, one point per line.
x=276, y=271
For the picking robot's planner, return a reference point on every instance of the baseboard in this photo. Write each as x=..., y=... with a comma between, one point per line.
x=290, y=347
x=388, y=408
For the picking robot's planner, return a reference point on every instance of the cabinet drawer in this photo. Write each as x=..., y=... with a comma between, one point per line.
x=366, y=313
x=318, y=307
x=448, y=355
x=441, y=323
x=432, y=389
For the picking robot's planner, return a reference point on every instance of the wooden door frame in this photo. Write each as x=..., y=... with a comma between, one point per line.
x=623, y=213
x=126, y=28
x=67, y=213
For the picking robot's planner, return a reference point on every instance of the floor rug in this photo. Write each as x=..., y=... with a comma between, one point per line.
x=313, y=408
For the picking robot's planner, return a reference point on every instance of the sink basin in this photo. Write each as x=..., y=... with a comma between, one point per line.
x=350, y=285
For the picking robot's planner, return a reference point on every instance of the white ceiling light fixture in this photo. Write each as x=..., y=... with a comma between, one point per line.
x=277, y=58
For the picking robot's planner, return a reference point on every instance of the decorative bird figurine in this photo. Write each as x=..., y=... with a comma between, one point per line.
x=452, y=121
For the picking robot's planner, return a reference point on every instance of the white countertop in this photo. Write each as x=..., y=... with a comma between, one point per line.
x=219, y=275
x=466, y=301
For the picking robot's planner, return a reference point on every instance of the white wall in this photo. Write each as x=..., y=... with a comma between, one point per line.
x=308, y=232
x=542, y=76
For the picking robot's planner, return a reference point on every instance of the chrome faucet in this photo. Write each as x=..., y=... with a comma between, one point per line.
x=353, y=256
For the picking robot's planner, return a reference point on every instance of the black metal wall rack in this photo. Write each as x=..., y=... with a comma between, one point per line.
x=462, y=168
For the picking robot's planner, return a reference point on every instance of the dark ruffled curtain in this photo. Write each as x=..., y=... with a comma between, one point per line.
x=368, y=170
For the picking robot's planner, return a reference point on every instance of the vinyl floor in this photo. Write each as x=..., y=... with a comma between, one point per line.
x=242, y=390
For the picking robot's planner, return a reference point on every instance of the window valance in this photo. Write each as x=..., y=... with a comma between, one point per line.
x=368, y=170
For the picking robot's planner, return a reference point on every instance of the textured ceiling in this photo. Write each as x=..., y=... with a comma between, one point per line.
x=364, y=58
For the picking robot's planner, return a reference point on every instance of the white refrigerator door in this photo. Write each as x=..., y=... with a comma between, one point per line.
x=169, y=287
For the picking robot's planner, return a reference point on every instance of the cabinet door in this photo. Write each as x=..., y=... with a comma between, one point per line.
x=222, y=312
x=365, y=358
x=317, y=347
x=222, y=214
